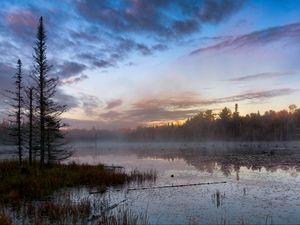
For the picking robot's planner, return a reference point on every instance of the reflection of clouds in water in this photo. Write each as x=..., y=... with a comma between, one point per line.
x=229, y=158
x=267, y=184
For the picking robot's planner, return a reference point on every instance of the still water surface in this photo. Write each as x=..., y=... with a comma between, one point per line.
x=262, y=180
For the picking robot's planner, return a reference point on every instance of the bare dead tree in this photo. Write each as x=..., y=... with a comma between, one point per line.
x=16, y=110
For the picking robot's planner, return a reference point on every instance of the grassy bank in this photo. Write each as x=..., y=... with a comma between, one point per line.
x=32, y=183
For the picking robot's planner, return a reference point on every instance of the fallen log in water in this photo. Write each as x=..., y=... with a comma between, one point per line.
x=172, y=186
x=113, y=167
x=166, y=186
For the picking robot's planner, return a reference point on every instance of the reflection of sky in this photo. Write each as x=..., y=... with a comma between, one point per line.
x=228, y=160
x=258, y=196
x=128, y=62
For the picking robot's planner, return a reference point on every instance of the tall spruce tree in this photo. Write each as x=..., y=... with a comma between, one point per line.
x=41, y=70
x=49, y=111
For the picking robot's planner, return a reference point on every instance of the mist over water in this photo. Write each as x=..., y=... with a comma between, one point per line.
x=187, y=109
x=261, y=180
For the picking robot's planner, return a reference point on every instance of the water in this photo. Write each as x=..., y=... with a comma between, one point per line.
x=262, y=180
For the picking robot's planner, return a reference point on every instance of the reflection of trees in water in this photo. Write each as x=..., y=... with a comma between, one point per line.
x=231, y=160
x=218, y=198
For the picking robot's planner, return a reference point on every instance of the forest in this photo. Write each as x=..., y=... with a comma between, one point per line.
x=227, y=126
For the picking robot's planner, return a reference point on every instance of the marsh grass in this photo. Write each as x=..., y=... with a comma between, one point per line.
x=27, y=193
x=65, y=211
x=5, y=218
x=140, y=178
x=51, y=212
x=32, y=183
x=124, y=216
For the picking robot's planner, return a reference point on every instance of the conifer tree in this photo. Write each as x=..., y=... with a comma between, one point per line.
x=16, y=111
x=49, y=111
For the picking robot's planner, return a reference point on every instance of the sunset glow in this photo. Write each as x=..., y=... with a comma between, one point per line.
x=129, y=63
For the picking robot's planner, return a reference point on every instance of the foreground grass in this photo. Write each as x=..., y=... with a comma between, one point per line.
x=32, y=183
x=68, y=212
x=5, y=219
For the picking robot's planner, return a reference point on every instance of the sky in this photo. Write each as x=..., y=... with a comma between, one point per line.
x=128, y=63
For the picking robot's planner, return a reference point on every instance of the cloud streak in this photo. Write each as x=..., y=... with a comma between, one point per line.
x=178, y=107
x=289, y=33
x=258, y=95
x=179, y=102
x=73, y=80
x=69, y=69
x=114, y=103
x=260, y=76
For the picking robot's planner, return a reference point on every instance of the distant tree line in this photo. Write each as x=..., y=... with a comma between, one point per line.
x=224, y=126
x=227, y=125
x=35, y=126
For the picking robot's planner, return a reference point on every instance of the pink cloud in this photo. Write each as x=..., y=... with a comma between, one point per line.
x=21, y=18
x=23, y=23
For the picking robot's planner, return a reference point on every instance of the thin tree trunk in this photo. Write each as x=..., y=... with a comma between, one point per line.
x=42, y=122
x=30, y=125
x=19, y=112
x=19, y=135
x=48, y=146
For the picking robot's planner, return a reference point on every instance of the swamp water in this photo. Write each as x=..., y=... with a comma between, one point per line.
x=252, y=183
